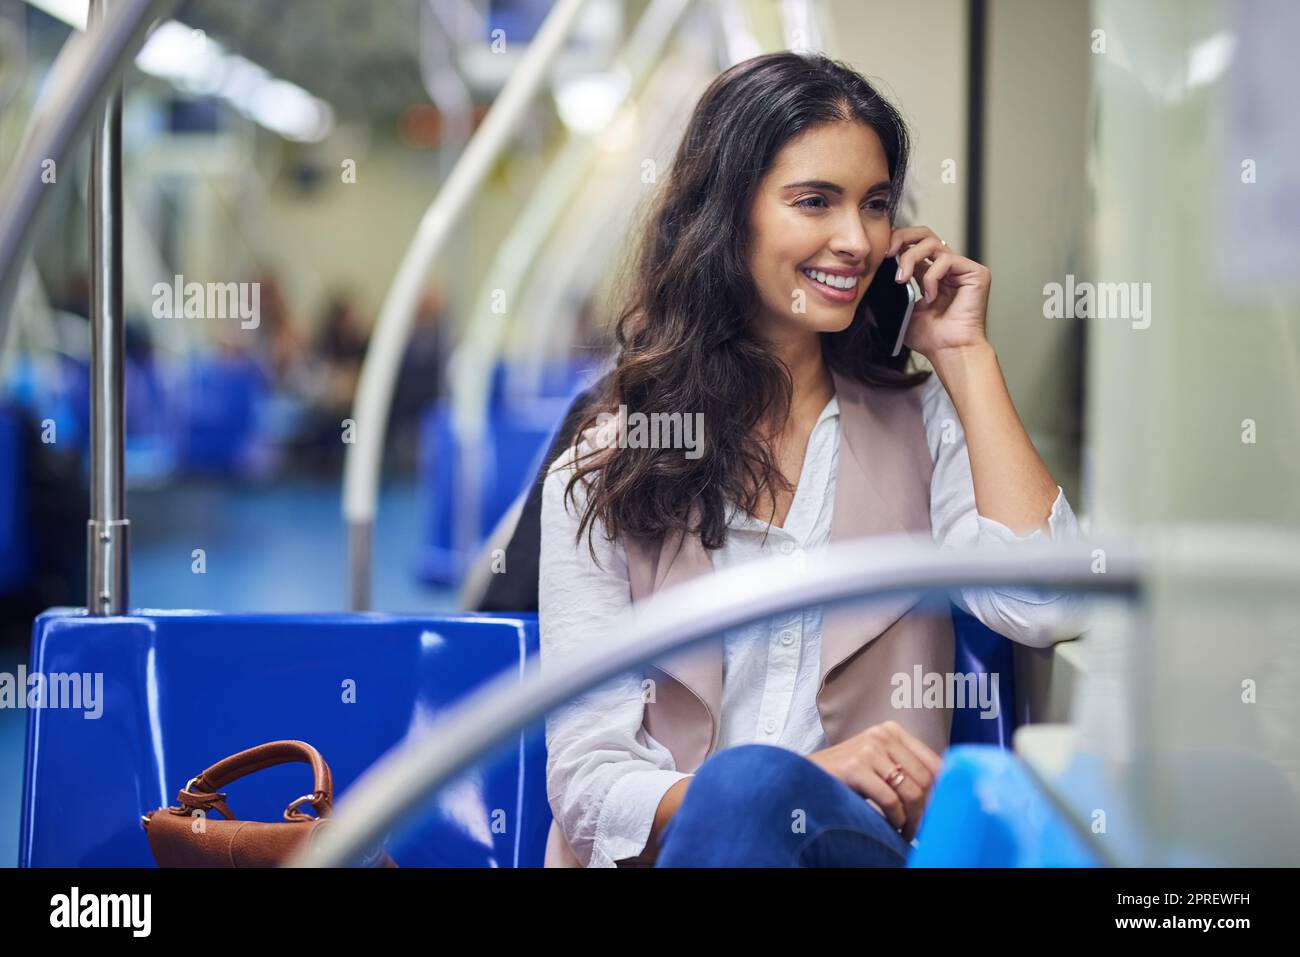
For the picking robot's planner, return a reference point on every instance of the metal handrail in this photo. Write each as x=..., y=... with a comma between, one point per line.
x=844, y=572
x=589, y=237
x=80, y=81
x=686, y=615
x=471, y=364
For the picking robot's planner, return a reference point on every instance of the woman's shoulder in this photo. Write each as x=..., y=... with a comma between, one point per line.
x=585, y=454
x=587, y=449
x=565, y=502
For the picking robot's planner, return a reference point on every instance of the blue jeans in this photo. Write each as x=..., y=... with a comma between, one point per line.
x=758, y=805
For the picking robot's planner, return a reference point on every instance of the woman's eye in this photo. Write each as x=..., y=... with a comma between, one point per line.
x=819, y=202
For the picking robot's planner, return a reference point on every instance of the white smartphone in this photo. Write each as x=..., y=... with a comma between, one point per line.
x=913, y=297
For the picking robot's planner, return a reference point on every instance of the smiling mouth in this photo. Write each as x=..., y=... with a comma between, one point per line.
x=836, y=283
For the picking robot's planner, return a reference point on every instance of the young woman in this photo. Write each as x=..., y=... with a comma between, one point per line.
x=749, y=306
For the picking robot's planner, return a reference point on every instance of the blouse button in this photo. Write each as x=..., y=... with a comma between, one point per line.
x=787, y=637
x=769, y=726
x=787, y=547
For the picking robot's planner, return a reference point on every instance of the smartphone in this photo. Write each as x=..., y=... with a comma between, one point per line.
x=892, y=303
x=913, y=296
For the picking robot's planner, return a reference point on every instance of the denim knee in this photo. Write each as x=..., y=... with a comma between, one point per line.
x=748, y=776
x=759, y=805
x=738, y=810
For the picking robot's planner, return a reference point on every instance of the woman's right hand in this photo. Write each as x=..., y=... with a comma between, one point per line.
x=866, y=760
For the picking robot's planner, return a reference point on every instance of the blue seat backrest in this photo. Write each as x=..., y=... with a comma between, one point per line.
x=981, y=651
x=513, y=444
x=181, y=690
x=986, y=810
x=221, y=426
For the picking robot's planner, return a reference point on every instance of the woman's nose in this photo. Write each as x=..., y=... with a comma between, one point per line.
x=851, y=238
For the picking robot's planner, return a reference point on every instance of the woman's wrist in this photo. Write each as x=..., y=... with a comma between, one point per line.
x=953, y=361
x=964, y=369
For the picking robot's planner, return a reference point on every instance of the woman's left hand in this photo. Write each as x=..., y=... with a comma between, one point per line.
x=955, y=290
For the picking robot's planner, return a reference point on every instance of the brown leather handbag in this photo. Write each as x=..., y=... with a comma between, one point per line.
x=188, y=836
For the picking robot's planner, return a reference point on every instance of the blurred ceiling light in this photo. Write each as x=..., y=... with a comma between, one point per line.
x=1210, y=58
x=291, y=111
x=184, y=57
x=242, y=80
x=71, y=12
x=587, y=102
x=197, y=65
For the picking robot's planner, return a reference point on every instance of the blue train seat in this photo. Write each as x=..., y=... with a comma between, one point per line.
x=222, y=432
x=516, y=439
x=987, y=811
x=980, y=650
x=181, y=690
x=519, y=431
x=54, y=388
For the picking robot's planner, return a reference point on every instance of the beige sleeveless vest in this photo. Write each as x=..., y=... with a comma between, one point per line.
x=882, y=487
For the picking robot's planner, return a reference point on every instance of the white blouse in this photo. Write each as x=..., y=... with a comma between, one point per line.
x=605, y=774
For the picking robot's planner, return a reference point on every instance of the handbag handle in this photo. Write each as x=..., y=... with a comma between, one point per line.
x=203, y=790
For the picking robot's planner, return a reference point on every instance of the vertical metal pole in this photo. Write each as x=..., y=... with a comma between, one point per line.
x=360, y=540
x=107, y=531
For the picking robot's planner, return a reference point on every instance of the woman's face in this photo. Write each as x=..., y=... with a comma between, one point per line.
x=821, y=208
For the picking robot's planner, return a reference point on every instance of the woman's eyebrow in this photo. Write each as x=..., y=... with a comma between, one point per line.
x=834, y=187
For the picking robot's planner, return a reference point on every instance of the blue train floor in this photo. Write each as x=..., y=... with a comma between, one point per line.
x=278, y=547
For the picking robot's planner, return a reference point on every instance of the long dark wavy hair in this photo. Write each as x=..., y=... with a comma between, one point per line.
x=685, y=334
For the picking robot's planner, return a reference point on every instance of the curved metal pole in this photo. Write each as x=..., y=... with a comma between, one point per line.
x=475, y=358
x=683, y=616
x=80, y=81
x=563, y=272
x=392, y=329
x=579, y=254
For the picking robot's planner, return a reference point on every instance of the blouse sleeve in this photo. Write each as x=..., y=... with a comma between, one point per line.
x=1031, y=616
x=605, y=775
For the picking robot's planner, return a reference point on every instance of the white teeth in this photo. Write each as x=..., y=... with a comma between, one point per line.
x=835, y=282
